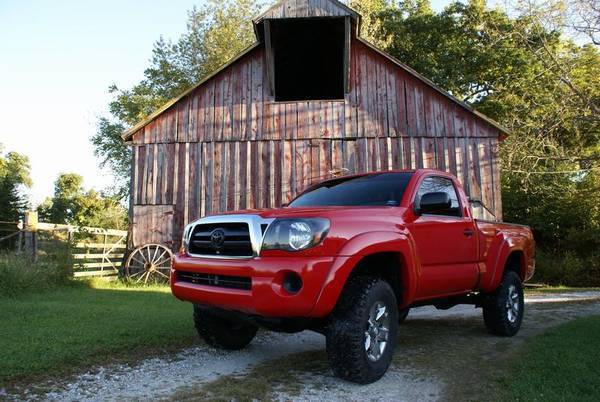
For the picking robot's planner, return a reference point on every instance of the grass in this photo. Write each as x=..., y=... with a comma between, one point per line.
x=559, y=365
x=59, y=332
x=18, y=274
x=558, y=289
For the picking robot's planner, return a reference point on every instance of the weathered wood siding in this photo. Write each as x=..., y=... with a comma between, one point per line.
x=307, y=8
x=227, y=145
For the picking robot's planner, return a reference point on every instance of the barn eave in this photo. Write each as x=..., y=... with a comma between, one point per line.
x=126, y=136
x=504, y=132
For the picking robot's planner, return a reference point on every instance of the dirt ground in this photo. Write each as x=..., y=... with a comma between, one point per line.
x=440, y=355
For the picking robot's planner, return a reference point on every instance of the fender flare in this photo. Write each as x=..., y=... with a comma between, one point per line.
x=506, y=246
x=354, y=251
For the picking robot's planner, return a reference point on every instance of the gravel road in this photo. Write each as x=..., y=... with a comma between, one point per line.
x=160, y=378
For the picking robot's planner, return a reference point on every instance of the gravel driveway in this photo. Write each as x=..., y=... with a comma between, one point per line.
x=416, y=373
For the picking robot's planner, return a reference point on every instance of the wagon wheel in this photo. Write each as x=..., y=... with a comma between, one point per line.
x=150, y=263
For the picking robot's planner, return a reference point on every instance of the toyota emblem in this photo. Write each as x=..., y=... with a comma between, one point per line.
x=217, y=238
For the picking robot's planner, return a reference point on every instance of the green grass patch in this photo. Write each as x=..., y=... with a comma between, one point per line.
x=562, y=364
x=558, y=289
x=18, y=274
x=63, y=331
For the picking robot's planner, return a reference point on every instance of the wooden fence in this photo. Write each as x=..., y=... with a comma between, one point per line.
x=92, y=252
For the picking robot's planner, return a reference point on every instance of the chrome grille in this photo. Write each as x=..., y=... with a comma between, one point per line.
x=226, y=236
x=227, y=239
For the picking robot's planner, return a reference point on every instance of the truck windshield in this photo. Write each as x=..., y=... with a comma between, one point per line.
x=377, y=189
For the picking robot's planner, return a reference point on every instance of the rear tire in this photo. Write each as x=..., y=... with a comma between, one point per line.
x=222, y=333
x=361, y=335
x=503, y=310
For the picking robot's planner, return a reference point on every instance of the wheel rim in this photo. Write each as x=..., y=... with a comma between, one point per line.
x=512, y=304
x=149, y=264
x=377, y=332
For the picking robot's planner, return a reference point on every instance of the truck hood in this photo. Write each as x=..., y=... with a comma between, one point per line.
x=346, y=222
x=358, y=213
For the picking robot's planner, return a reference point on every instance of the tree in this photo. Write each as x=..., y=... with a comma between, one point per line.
x=522, y=70
x=14, y=176
x=372, y=12
x=216, y=32
x=72, y=204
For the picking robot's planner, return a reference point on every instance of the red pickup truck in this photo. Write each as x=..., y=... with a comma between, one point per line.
x=348, y=258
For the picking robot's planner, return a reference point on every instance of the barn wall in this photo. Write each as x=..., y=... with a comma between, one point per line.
x=228, y=146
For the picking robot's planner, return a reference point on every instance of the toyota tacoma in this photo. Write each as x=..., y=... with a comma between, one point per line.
x=348, y=258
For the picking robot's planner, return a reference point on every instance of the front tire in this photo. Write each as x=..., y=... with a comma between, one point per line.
x=361, y=335
x=503, y=310
x=222, y=333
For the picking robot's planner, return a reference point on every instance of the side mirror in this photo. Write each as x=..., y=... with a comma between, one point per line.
x=434, y=202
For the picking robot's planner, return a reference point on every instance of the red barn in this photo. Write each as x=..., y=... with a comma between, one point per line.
x=308, y=100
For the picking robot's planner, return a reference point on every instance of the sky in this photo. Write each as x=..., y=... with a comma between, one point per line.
x=57, y=60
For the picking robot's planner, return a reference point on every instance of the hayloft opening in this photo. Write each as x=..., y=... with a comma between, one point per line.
x=308, y=58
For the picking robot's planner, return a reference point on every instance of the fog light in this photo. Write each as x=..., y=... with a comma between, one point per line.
x=292, y=283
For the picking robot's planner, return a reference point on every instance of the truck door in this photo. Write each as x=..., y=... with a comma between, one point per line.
x=446, y=244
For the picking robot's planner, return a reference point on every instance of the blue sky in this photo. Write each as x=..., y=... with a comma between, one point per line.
x=57, y=59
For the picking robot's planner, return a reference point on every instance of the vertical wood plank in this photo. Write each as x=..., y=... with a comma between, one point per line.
x=183, y=119
x=420, y=111
x=209, y=116
x=381, y=101
x=411, y=114
x=278, y=180
x=289, y=176
x=219, y=107
x=231, y=174
x=253, y=200
x=209, y=176
x=193, y=118
x=257, y=98
x=495, y=160
x=217, y=176
x=228, y=108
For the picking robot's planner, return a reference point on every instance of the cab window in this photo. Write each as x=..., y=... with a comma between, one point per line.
x=435, y=184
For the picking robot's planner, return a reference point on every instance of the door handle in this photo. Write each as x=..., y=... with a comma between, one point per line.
x=468, y=232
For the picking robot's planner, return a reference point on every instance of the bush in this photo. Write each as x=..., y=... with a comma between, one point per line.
x=18, y=274
x=567, y=268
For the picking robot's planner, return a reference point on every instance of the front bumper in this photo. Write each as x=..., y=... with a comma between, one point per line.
x=266, y=296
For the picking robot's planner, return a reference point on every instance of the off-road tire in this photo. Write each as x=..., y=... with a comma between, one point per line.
x=345, y=333
x=495, y=309
x=402, y=314
x=222, y=333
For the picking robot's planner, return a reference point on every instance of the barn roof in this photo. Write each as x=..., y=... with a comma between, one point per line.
x=303, y=9
x=307, y=8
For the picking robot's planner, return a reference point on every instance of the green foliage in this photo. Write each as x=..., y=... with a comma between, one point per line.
x=71, y=204
x=569, y=268
x=216, y=32
x=372, y=12
x=521, y=71
x=14, y=175
x=110, y=149
x=19, y=275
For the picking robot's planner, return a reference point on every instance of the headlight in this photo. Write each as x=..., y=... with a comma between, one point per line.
x=295, y=234
x=186, y=236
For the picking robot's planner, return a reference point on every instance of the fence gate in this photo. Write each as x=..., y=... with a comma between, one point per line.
x=90, y=251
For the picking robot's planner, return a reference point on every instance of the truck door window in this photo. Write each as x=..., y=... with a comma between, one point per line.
x=434, y=184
